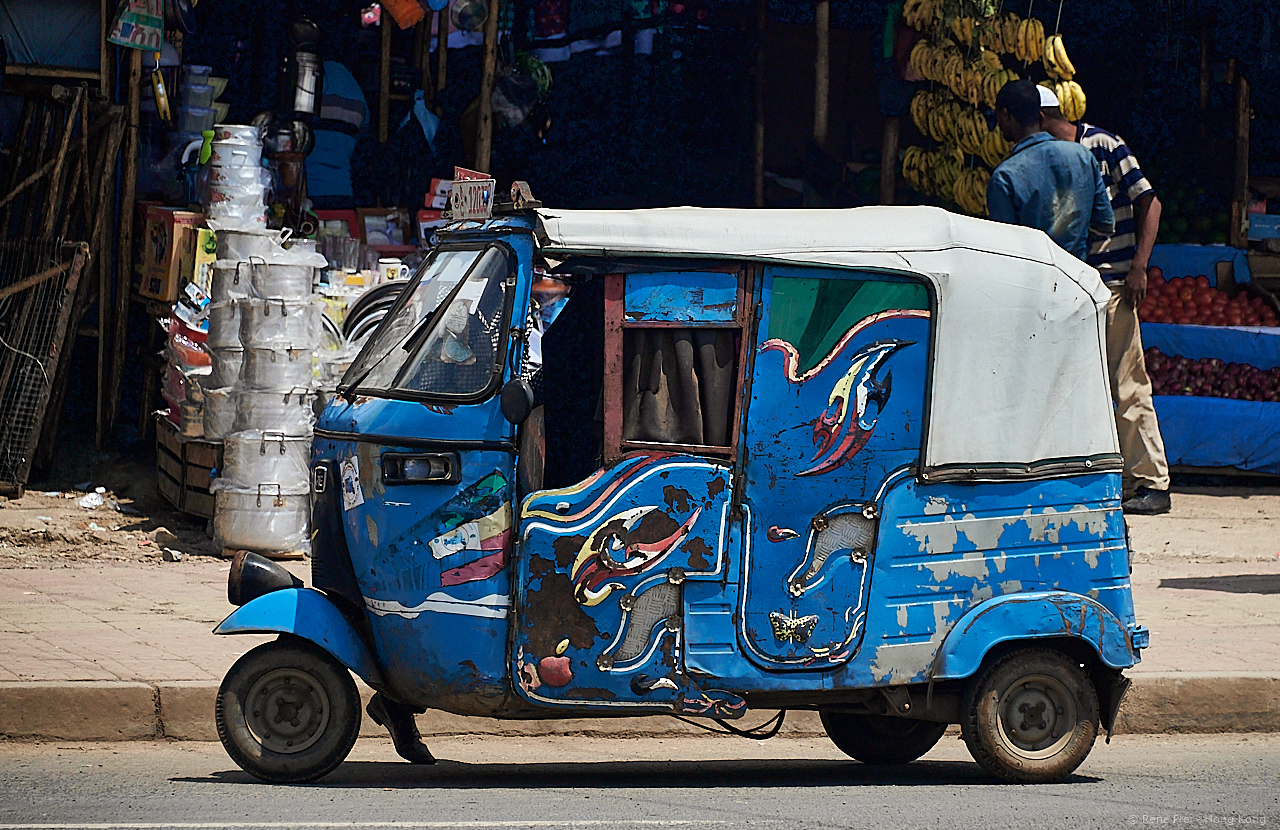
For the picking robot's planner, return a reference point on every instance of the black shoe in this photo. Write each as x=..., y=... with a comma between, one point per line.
x=398, y=719
x=1147, y=502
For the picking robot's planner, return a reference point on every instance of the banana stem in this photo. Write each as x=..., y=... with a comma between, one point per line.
x=1057, y=24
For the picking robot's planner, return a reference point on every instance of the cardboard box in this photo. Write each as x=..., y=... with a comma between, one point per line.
x=437, y=197
x=138, y=256
x=169, y=251
x=428, y=221
x=206, y=254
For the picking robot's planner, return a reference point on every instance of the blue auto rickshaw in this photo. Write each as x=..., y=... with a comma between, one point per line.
x=860, y=461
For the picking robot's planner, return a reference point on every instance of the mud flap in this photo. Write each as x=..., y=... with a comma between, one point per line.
x=1111, y=693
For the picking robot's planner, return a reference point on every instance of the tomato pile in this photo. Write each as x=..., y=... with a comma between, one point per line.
x=1210, y=377
x=1193, y=301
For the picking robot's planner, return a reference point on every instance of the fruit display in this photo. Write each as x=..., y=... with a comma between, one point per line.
x=962, y=57
x=1193, y=301
x=1210, y=377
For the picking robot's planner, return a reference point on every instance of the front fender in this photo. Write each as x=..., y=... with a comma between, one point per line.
x=1028, y=617
x=308, y=614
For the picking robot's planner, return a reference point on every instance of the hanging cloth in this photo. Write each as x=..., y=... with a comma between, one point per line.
x=139, y=24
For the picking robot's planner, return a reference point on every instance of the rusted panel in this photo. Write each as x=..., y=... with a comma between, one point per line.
x=612, y=555
x=684, y=297
x=551, y=613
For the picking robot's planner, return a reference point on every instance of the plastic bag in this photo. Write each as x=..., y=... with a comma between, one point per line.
x=264, y=518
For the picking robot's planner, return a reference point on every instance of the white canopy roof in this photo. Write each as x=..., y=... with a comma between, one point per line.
x=1019, y=380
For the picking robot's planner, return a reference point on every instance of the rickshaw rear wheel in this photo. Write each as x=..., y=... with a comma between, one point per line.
x=1031, y=717
x=287, y=712
x=881, y=740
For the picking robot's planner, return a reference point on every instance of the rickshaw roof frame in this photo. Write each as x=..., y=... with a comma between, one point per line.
x=1022, y=395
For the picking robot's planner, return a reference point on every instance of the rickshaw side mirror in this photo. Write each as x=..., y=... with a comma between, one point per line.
x=517, y=400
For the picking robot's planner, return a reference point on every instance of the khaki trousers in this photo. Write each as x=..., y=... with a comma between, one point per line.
x=1140, y=441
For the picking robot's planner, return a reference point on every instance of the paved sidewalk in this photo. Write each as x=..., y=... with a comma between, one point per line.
x=1206, y=582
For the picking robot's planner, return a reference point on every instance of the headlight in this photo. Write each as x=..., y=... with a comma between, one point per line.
x=421, y=468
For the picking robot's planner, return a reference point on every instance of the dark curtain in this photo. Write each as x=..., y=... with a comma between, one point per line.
x=679, y=386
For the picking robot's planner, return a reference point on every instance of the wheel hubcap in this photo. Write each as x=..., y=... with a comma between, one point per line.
x=1037, y=717
x=287, y=710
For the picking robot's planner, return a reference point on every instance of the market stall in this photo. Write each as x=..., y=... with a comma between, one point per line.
x=1213, y=352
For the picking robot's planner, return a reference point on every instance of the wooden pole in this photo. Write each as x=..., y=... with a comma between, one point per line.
x=384, y=90
x=1240, y=196
x=757, y=172
x=35, y=279
x=82, y=159
x=418, y=46
x=28, y=216
x=17, y=157
x=822, y=70
x=889, y=160
x=104, y=49
x=55, y=178
x=484, y=125
x=442, y=51
x=422, y=58
x=1204, y=70
x=124, y=272
x=28, y=181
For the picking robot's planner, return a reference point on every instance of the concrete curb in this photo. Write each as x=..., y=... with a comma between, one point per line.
x=1183, y=702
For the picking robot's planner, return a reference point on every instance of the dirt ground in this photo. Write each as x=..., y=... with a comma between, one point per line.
x=47, y=526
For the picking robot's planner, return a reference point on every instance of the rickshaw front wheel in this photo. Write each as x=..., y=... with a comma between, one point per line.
x=288, y=712
x=881, y=739
x=1031, y=717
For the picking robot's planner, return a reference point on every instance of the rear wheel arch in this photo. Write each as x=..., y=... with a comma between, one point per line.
x=1109, y=683
x=1074, y=624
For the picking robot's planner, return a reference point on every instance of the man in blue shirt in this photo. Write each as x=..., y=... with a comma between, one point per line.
x=1046, y=183
x=342, y=113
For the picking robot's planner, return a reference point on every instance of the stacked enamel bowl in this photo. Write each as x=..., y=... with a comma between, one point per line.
x=236, y=186
x=264, y=327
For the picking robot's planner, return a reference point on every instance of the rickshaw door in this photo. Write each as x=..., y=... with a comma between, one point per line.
x=604, y=562
x=835, y=405
x=601, y=578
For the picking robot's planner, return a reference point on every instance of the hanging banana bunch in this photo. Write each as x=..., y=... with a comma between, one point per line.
x=961, y=56
x=1056, y=63
x=994, y=149
x=963, y=28
x=971, y=191
x=922, y=14
x=1029, y=41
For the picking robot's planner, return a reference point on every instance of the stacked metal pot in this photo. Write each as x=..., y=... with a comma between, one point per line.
x=235, y=190
x=264, y=329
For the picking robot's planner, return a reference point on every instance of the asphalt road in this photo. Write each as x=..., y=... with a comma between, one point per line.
x=636, y=784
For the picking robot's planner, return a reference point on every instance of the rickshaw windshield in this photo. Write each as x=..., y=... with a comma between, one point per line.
x=444, y=338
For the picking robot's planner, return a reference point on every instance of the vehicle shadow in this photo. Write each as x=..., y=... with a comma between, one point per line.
x=743, y=774
x=1234, y=584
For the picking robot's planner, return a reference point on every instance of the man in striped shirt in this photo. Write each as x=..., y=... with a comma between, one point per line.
x=1121, y=259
